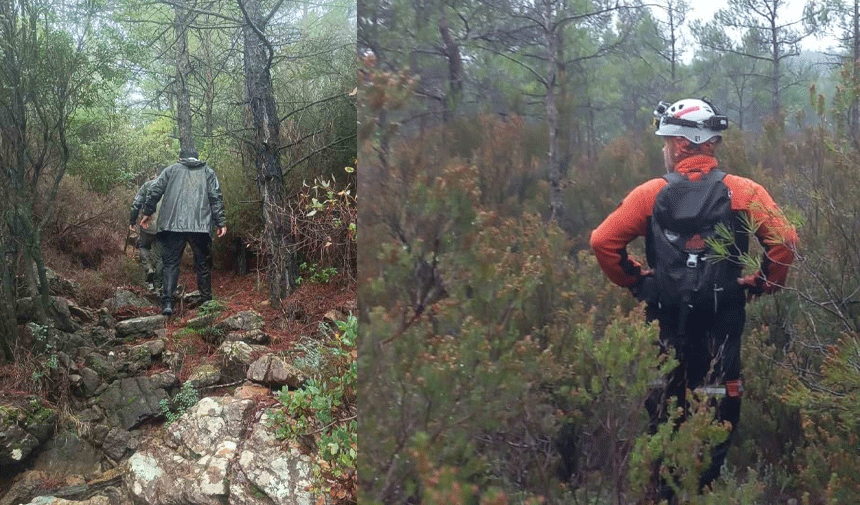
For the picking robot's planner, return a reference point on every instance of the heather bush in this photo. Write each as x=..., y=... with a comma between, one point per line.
x=86, y=226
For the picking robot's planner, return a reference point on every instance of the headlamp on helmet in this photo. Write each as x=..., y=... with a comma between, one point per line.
x=696, y=120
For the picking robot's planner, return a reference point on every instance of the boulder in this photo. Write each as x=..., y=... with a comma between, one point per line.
x=243, y=321
x=204, y=375
x=257, y=337
x=58, y=312
x=193, y=461
x=278, y=470
x=24, y=487
x=53, y=500
x=130, y=402
x=23, y=428
x=66, y=455
x=124, y=297
x=204, y=461
x=274, y=371
x=139, y=327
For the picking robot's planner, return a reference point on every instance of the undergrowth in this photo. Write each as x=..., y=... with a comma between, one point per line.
x=323, y=412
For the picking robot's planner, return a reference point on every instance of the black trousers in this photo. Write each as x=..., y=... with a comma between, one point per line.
x=172, y=247
x=708, y=351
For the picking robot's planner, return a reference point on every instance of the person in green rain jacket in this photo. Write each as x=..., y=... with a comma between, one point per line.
x=191, y=206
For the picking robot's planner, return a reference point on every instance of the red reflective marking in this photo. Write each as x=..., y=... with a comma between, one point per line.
x=688, y=109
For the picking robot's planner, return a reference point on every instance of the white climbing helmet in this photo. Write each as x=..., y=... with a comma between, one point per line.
x=696, y=120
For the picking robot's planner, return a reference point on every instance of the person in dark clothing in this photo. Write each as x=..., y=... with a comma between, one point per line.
x=150, y=250
x=706, y=340
x=191, y=204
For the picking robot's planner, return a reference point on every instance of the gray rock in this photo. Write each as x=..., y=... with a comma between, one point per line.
x=204, y=375
x=243, y=321
x=58, y=312
x=132, y=401
x=106, y=319
x=154, y=347
x=53, y=500
x=104, y=366
x=274, y=371
x=124, y=297
x=194, y=461
x=22, y=429
x=116, y=443
x=257, y=337
x=90, y=382
x=67, y=455
x=139, y=327
x=24, y=488
x=281, y=472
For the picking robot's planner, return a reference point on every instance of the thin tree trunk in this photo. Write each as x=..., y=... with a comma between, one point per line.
x=262, y=119
x=556, y=202
x=455, y=66
x=854, y=117
x=181, y=20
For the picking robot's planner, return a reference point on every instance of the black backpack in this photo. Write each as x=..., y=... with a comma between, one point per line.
x=684, y=221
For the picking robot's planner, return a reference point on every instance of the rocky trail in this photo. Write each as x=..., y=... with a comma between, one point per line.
x=127, y=406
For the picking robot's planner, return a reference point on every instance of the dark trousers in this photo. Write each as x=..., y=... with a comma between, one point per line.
x=708, y=351
x=172, y=247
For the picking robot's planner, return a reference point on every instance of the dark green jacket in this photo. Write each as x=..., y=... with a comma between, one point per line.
x=190, y=198
x=137, y=204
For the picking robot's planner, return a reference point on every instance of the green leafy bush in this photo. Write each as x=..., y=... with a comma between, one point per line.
x=322, y=412
x=186, y=398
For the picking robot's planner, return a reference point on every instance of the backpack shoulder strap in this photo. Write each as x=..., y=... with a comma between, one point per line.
x=673, y=177
x=717, y=174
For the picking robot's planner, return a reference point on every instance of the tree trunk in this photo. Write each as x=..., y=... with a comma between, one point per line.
x=556, y=201
x=181, y=20
x=8, y=295
x=854, y=110
x=262, y=119
x=455, y=66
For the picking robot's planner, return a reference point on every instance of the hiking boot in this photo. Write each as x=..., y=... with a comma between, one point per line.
x=167, y=310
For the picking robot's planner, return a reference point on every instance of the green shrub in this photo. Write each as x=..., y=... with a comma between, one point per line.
x=323, y=410
x=186, y=398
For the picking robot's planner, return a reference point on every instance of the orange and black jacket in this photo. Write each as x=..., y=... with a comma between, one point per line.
x=630, y=220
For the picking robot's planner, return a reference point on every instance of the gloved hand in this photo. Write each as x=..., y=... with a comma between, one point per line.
x=754, y=284
x=645, y=290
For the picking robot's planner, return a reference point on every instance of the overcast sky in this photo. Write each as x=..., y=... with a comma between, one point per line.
x=704, y=10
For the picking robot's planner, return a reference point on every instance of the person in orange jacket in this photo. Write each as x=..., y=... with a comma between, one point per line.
x=706, y=342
